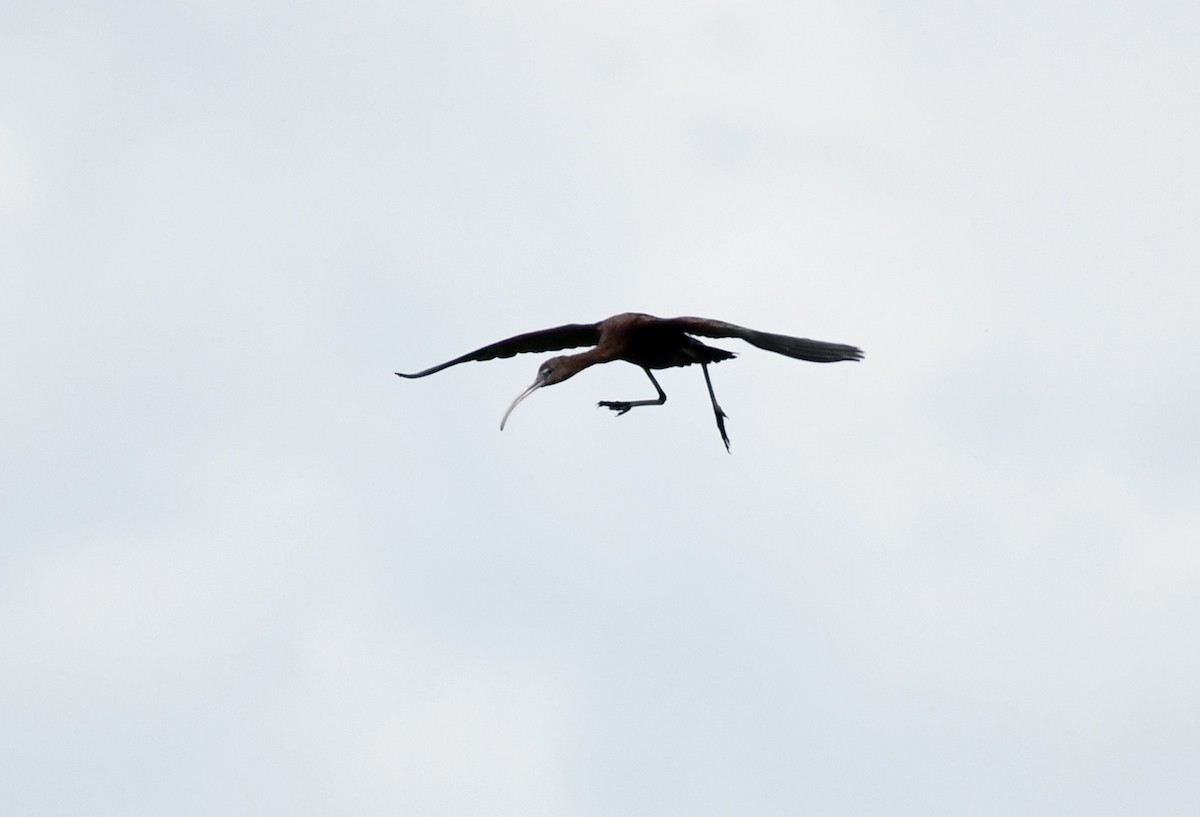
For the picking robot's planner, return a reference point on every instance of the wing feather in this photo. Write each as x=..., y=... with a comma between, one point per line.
x=567, y=336
x=817, y=351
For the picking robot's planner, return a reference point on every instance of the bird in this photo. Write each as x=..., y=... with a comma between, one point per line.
x=645, y=341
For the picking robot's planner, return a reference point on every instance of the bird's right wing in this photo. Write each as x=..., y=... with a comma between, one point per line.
x=817, y=351
x=568, y=336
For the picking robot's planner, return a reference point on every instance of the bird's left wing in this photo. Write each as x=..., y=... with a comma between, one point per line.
x=568, y=336
x=817, y=351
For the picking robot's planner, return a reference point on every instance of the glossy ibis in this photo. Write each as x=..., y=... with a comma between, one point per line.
x=645, y=341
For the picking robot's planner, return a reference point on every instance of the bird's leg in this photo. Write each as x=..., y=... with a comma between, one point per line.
x=622, y=406
x=717, y=410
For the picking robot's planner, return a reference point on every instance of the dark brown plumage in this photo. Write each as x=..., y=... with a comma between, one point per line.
x=645, y=341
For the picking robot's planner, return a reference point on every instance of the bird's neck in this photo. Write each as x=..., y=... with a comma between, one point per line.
x=577, y=363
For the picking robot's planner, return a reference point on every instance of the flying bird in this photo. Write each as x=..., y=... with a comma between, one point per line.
x=645, y=341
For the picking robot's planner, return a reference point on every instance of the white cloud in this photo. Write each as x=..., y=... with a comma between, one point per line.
x=129, y=611
x=1041, y=593
x=17, y=174
x=392, y=723
x=224, y=226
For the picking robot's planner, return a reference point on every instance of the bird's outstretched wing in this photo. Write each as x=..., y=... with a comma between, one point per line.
x=817, y=351
x=544, y=340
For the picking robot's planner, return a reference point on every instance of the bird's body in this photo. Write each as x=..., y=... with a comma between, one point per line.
x=647, y=342
x=652, y=343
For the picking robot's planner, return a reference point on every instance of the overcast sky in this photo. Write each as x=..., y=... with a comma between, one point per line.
x=246, y=570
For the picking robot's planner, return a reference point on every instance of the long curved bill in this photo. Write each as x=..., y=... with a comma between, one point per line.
x=537, y=384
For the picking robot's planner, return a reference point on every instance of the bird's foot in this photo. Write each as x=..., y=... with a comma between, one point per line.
x=620, y=407
x=721, y=415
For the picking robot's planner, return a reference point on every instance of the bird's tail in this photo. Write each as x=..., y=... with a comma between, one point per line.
x=703, y=353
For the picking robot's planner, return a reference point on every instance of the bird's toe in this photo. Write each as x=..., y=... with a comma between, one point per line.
x=619, y=407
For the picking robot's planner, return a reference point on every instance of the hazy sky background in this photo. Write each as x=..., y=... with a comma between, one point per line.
x=246, y=570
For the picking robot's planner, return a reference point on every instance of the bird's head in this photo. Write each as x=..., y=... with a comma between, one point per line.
x=554, y=370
